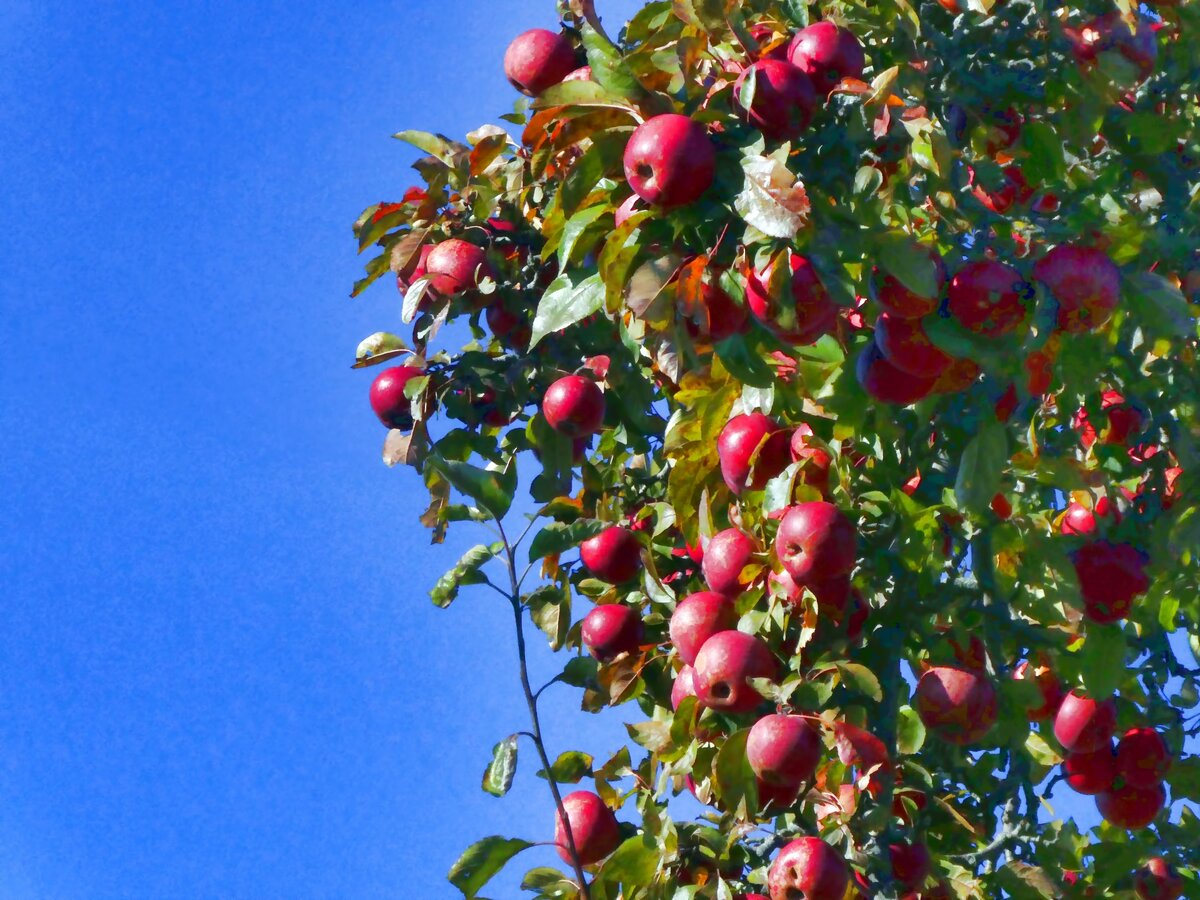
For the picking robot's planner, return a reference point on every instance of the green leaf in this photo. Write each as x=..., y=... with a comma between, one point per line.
x=482, y=860
x=910, y=731
x=861, y=679
x=558, y=537
x=498, y=777
x=1041, y=751
x=550, y=609
x=797, y=12
x=632, y=864
x=436, y=145
x=571, y=767
x=981, y=468
x=1102, y=659
x=609, y=68
x=1163, y=311
x=492, y=489
x=1045, y=147
x=733, y=778
x=379, y=348
x=465, y=572
x=601, y=158
x=909, y=263
x=575, y=228
x=569, y=299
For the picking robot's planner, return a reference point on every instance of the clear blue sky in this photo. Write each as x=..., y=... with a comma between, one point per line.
x=220, y=675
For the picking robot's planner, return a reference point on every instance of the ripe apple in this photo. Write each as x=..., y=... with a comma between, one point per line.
x=614, y=555
x=414, y=270
x=783, y=101
x=1143, y=758
x=387, y=396
x=1157, y=880
x=816, y=542
x=727, y=554
x=1048, y=685
x=1080, y=521
x=897, y=300
x=1132, y=807
x=1084, y=724
x=904, y=343
x=510, y=329
x=956, y=379
x=784, y=750
x=1092, y=772
x=911, y=863
x=721, y=316
x=752, y=444
x=827, y=54
x=670, y=161
x=958, y=705
x=538, y=59
x=683, y=686
x=884, y=382
x=583, y=73
x=594, y=828
x=455, y=266
x=574, y=406
x=1111, y=576
x=1085, y=282
x=697, y=618
x=811, y=312
x=988, y=298
x=611, y=629
x=815, y=460
x=722, y=666
x=808, y=869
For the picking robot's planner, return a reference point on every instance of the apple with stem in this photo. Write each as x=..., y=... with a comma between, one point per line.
x=670, y=160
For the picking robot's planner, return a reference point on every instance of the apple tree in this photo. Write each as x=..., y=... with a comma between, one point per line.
x=844, y=358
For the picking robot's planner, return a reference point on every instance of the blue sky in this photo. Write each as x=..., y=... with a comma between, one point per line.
x=221, y=675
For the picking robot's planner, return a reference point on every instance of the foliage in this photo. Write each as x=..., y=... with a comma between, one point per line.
x=958, y=499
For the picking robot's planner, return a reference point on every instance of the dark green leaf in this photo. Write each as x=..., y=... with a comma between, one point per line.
x=492, y=489
x=466, y=571
x=436, y=145
x=733, y=778
x=861, y=679
x=797, y=12
x=498, y=777
x=601, y=158
x=1162, y=309
x=571, y=767
x=908, y=263
x=632, y=864
x=981, y=468
x=1102, y=659
x=481, y=861
x=570, y=298
x=910, y=731
x=609, y=68
x=550, y=609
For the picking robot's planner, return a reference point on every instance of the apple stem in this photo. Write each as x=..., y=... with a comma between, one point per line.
x=535, y=732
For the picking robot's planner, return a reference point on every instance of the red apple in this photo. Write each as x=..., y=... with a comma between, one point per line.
x=593, y=827
x=538, y=59
x=670, y=161
x=1084, y=281
x=1143, y=758
x=697, y=618
x=1080, y=521
x=722, y=666
x=784, y=750
x=387, y=396
x=614, y=555
x=783, y=101
x=583, y=73
x=752, y=444
x=1132, y=807
x=779, y=796
x=727, y=554
x=1048, y=686
x=414, y=271
x=958, y=705
x=683, y=686
x=884, y=382
x=1157, y=880
x=808, y=869
x=722, y=316
x=455, y=266
x=911, y=863
x=1111, y=577
x=904, y=343
x=816, y=542
x=827, y=54
x=806, y=312
x=988, y=297
x=574, y=406
x=611, y=629
x=1090, y=773
x=897, y=300
x=815, y=460
x=1084, y=724
x=509, y=328
x=956, y=379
